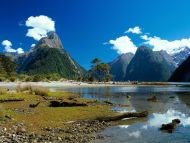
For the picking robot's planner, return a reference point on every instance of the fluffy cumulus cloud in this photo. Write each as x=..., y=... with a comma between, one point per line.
x=135, y=30
x=163, y=118
x=123, y=44
x=20, y=50
x=171, y=47
x=8, y=47
x=135, y=134
x=33, y=45
x=39, y=26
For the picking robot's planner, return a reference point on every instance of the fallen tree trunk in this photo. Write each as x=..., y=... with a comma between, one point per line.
x=11, y=100
x=123, y=116
x=65, y=104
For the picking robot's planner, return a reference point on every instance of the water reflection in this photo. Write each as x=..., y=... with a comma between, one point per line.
x=173, y=102
x=149, y=131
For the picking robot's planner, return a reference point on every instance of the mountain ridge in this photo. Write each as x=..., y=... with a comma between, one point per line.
x=148, y=65
x=49, y=57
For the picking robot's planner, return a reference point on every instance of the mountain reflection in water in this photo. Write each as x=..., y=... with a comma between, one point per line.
x=173, y=102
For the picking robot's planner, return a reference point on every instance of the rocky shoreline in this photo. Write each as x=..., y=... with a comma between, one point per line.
x=76, y=132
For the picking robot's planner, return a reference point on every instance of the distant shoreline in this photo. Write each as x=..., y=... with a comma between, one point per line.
x=89, y=84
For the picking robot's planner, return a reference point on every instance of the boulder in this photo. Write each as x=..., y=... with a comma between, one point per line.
x=153, y=99
x=171, y=126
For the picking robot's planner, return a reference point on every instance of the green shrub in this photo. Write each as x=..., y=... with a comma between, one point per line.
x=2, y=79
x=37, y=90
x=91, y=79
x=22, y=88
x=3, y=90
x=12, y=79
x=37, y=78
x=29, y=78
x=53, y=77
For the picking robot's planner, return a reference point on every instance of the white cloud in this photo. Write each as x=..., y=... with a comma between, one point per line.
x=6, y=43
x=8, y=47
x=20, y=51
x=171, y=47
x=135, y=30
x=144, y=37
x=158, y=118
x=123, y=44
x=135, y=134
x=124, y=126
x=33, y=45
x=39, y=26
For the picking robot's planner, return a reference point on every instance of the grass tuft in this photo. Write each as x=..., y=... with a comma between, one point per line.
x=3, y=90
x=37, y=90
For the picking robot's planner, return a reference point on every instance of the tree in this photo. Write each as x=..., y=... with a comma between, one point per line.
x=99, y=70
x=7, y=65
x=95, y=62
x=108, y=77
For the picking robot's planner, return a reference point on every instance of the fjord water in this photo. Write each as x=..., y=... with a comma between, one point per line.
x=173, y=102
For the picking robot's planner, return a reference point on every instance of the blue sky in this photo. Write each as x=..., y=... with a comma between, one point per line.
x=87, y=26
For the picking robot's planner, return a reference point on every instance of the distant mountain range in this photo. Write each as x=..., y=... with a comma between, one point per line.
x=119, y=66
x=181, y=56
x=49, y=57
x=182, y=73
x=147, y=65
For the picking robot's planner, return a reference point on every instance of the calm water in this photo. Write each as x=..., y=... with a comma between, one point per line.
x=174, y=102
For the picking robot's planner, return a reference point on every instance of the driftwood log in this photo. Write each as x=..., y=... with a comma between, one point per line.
x=11, y=100
x=123, y=116
x=153, y=99
x=66, y=104
x=34, y=105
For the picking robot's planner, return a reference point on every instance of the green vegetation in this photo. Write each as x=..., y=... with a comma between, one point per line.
x=99, y=71
x=44, y=116
x=50, y=63
x=7, y=69
x=36, y=90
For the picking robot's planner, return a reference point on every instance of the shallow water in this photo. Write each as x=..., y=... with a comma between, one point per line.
x=174, y=102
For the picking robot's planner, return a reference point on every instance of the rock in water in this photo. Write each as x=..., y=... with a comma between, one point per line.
x=171, y=126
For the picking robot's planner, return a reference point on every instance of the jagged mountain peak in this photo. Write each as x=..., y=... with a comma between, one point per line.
x=181, y=56
x=119, y=66
x=51, y=41
x=149, y=65
x=182, y=73
x=121, y=57
x=49, y=57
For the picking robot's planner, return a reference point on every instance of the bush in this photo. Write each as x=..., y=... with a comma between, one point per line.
x=12, y=79
x=53, y=77
x=3, y=90
x=2, y=79
x=108, y=77
x=37, y=90
x=29, y=78
x=39, y=77
x=22, y=88
x=91, y=79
